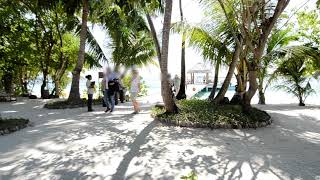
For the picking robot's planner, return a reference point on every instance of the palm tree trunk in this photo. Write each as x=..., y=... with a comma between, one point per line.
x=253, y=75
x=262, y=99
x=215, y=81
x=227, y=80
x=154, y=36
x=57, y=89
x=301, y=103
x=166, y=90
x=182, y=90
x=44, y=84
x=74, y=96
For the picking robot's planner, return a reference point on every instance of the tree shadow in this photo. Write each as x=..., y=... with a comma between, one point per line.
x=134, y=148
x=74, y=144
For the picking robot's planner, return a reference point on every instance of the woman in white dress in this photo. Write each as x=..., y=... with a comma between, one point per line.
x=135, y=90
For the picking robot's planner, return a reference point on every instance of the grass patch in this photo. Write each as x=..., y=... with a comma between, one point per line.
x=12, y=124
x=202, y=113
x=67, y=104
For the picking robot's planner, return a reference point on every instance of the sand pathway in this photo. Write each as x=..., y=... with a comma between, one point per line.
x=75, y=144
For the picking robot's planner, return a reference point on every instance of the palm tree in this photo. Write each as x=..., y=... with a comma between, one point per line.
x=213, y=47
x=255, y=30
x=166, y=91
x=182, y=90
x=295, y=75
x=74, y=96
x=228, y=26
x=278, y=39
x=162, y=51
x=138, y=50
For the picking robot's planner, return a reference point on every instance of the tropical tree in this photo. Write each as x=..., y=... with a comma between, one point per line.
x=182, y=90
x=277, y=40
x=162, y=51
x=295, y=70
x=16, y=48
x=138, y=50
x=45, y=24
x=74, y=96
x=255, y=20
x=214, y=48
x=227, y=28
x=166, y=91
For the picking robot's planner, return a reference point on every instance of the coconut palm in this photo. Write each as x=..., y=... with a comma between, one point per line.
x=278, y=39
x=213, y=47
x=162, y=51
x=294, y=73
x=166, y=91
x=182, y=90
x=255, y=20
x=74, y=96
x=138, y=50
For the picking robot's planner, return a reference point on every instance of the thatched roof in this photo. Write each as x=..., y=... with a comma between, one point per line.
x=200, y=68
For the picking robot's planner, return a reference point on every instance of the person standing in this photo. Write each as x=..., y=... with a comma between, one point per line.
x=111, y=85
x=135, y=90
x=103, y=88
x=121, y=89
x=106, y=89
x=90, y=90
x=176, y=84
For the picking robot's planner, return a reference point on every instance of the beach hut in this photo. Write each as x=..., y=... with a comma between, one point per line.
x=199, y=73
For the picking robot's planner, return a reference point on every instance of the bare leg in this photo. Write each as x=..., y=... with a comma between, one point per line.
x=137, y=106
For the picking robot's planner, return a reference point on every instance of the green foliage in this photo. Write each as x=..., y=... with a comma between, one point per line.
x=309, y=27
x=294, y=71
x=277, y=40
x=41, y=38
x=126, y=81
x=139, y=50
x=202, y=113
x=191, y=176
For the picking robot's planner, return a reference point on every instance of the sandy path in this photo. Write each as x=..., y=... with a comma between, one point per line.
x=74, y=144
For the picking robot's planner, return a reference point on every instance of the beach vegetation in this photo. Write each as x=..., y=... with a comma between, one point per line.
x=205, y=114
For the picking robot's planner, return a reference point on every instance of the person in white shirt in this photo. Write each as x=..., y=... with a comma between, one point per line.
x=135, y=90
x=90, y=91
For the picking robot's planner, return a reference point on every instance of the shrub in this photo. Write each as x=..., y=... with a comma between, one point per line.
x=202, y=113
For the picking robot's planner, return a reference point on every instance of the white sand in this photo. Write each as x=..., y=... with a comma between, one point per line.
x=74, y=144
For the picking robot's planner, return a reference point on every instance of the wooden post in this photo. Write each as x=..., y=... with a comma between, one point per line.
x=192, y=78
x=207, y=78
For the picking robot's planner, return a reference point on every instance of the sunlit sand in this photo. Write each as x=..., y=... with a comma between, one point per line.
x=75, y=144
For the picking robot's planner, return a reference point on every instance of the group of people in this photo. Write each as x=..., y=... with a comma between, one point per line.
x=111, y=87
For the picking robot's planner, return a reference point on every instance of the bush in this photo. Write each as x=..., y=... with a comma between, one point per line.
x=202, y=113
x=127, y=84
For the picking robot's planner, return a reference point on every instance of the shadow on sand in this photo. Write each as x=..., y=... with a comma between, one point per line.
x=73, y=144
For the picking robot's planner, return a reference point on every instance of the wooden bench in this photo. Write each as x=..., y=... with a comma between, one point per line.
x=5, y=97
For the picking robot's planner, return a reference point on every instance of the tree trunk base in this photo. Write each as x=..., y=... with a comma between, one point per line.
x=262, y=99
x=181, y=96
